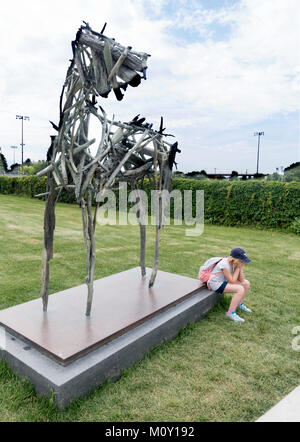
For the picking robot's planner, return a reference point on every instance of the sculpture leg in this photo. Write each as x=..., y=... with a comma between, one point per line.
x=89, y=237
x=49, y=226
x=143, y=248
x=157, y=241
x=165, y=184
x=140, y=214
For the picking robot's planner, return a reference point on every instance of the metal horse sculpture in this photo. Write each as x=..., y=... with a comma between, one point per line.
x=126, y=152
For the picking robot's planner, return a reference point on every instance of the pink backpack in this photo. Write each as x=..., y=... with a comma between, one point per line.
x=205, y=271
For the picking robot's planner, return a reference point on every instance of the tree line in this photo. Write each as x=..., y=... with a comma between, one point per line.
x=290, y=173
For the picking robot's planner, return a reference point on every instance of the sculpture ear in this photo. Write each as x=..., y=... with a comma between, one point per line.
x=140, y=121
x=135, y=81
x=103, y=29
x=118, y=93
x=161, y=128
x=54, y=126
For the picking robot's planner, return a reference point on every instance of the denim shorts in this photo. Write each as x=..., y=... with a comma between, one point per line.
x=222, y=287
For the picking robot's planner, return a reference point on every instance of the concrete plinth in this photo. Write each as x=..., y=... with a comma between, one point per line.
x=69, y=370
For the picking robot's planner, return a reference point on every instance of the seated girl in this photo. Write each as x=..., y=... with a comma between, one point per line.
x=228, y=277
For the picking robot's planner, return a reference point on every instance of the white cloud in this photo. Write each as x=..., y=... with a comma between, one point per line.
x=199, y=84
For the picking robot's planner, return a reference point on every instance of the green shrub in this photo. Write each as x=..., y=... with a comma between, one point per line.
x=264, y=204
x=30, y=186
x=295, y=226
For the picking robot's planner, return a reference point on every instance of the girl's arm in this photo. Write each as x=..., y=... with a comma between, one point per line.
x=241, y=275
x=232, y=279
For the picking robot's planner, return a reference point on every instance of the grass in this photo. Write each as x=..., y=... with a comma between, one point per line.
x=214, y=370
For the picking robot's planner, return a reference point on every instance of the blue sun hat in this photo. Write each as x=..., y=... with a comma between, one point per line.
x=240, y=254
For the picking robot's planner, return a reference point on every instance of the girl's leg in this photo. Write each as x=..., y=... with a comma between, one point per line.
x=246, y=285
x=239, y=293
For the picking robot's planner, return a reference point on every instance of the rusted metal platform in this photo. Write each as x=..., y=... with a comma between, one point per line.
x=121, y=302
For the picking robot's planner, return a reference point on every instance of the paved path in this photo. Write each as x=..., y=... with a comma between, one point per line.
x=287, y=410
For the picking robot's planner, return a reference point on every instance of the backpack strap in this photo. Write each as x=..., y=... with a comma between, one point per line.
x=214, y=265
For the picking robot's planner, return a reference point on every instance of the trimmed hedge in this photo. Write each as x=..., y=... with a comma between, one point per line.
x=29, y=186
x=264, y=204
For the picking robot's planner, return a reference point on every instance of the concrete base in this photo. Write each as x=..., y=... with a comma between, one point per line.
x=107, y=362
x=287, y=410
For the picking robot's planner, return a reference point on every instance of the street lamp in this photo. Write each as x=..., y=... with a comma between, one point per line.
x=259, y=135
x=14, y=148
x=22, y=117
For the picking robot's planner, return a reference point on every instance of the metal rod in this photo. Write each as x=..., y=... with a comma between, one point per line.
x=258, y=145
x=22, y=117
x=257, y=163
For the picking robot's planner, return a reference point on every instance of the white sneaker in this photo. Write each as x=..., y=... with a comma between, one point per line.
x=244, y=308
x=234, y=317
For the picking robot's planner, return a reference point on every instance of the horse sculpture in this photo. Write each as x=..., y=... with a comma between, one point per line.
x=126, y=152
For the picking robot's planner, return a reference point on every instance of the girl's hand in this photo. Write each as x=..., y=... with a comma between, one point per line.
x=232, y=279
x=240, y=264
x=237, y=265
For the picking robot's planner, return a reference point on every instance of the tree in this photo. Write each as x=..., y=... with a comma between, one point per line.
x=202, y=176
x=196, y=175
x=293, y=173
x=258, y=175
x=234, y=175
x=3, y=163
x=13, y=166
x=28, y=170
x=177, y=173
x=292, y=166
x=192, y=174
x=275, y=177
x=39, y=165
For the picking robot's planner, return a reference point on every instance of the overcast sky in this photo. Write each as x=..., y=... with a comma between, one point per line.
x=219, y=71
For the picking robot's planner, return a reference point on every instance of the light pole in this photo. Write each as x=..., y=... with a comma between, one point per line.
x=259, y=135
x=22, y=117
x=14, y=148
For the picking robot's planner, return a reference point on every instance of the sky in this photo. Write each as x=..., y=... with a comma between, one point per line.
x=219, y=71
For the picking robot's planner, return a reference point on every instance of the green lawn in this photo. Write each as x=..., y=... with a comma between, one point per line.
x=214, y=370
